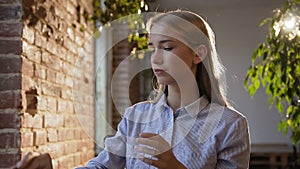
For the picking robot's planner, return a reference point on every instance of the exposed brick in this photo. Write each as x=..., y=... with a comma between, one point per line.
x=37, y=121
x=28, y=34
x=66, y=94
x=10, y=46
x=77, y=134
x=42, y=104
x=69, y=82
x=66, y=162
x=85, y=156
x=52, y=135
x=10, y=100
x=62, y=53
x=39, y=71
x=51, y=61
x=69, y=134
x=54, y=149
x=47, y=64
x=71, y=8
x=32, y=53
x=88, y=46
x=51, y=90
x=39, y=137
x=71, y=147
x=83, y=145
x=9, y=120
x=79, y=40
x=27, y=83
x=77, y=159
x=28, y=68
x=62, y=135
x=61, y=106
x=70, y=58
x=10, y=12
x=68, y=69
x=71, y=121
x=10, y=29
x=40, y=40
x=27, y=139
x=30, y=121
x=54, y=163
x=70, y=107
x=10, y=140
x=54, y=120
x=51, y=105
x=60, y=78
x=51, y=76
x=52, y=47
x=71, y=34
x=10, y=82
x=70, y=45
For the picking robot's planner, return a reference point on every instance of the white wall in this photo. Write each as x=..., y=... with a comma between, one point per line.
x=236, y=24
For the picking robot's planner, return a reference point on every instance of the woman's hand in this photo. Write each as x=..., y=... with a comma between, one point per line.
x=35, y=161
x=157, y=147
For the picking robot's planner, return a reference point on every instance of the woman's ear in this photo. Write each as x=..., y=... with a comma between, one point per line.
x=201, y=54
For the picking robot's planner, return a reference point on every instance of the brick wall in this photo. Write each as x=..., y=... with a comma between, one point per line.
x=46, y=81
x=121, y=49
x=10, y=81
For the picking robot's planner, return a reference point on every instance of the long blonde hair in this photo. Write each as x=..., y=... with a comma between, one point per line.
x=193, y=30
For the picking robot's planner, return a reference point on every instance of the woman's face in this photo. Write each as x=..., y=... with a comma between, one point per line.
x=171, y=59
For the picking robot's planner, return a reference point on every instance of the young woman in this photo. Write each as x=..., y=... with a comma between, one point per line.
x=189, y=123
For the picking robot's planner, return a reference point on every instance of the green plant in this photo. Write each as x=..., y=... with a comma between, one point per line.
x=276, y=66
x=105, y=12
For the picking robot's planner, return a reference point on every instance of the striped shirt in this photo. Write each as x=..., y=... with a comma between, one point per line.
x=202, y=135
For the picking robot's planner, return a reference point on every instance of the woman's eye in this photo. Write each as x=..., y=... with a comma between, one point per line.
x=168, y=48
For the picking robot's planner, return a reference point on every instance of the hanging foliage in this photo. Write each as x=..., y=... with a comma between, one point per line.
x=107, y=11
x=276, y=66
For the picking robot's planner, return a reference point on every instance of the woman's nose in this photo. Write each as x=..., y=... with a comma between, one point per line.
x=157, y=57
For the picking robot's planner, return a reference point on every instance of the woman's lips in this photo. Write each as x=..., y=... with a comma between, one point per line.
x=159, y=72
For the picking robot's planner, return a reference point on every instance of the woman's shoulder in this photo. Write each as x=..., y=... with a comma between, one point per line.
x=234, y=113
x=234, y=118
x=227, y=113
x=226, y=120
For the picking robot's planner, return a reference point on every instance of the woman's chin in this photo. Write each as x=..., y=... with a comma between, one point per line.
x=164, y=81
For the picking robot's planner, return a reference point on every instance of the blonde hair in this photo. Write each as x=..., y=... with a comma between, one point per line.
x=193, y=31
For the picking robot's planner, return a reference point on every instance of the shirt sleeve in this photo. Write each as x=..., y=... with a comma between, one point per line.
x=235, y=148
x=113, y=155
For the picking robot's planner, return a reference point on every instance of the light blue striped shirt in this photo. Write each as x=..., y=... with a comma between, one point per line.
x=202, y=135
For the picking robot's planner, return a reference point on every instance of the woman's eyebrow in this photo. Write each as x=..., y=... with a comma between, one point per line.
x=165, y=41
x=161, y=42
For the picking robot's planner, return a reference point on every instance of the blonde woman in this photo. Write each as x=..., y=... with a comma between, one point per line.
x=189, y=123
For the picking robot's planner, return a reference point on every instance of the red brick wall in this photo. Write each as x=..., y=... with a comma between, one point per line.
x=46, y=81
x=10, y=81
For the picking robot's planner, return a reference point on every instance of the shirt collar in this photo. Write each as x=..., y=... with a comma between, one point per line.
x=197, y=106
x=193, y=109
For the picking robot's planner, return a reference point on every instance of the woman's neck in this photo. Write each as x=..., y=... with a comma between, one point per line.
x=174, y=99
x=177, y=99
